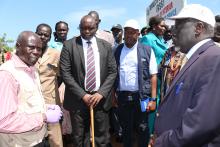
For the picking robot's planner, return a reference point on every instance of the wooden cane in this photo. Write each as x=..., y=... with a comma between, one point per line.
x=92, y=126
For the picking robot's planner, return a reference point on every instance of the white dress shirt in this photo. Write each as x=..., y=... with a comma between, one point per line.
x=196, y=47
x=129, y=68
x=97, y=59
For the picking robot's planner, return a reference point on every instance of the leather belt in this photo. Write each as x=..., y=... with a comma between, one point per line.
x=92, y=92
x=128, y=93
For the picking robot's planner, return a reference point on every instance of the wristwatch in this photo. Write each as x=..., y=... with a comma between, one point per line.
x=153, y=99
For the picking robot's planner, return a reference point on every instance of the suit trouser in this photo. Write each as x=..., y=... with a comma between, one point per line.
x=130, y=116
x=80, y=120
x=55, y=135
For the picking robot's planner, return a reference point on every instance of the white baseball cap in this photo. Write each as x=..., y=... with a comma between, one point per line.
x=131, y=23
x=198, y=12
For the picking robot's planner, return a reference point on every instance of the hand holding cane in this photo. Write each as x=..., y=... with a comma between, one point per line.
x=94, y=99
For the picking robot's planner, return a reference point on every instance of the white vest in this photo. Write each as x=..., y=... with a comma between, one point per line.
x=30, y=101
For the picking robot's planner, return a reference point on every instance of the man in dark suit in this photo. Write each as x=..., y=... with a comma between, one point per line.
x=189, y=114
x=88, y=86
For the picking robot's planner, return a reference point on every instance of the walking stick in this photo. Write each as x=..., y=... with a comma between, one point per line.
x=92, y=126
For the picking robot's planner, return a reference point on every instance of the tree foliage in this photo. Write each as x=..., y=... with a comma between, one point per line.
x=4, y=43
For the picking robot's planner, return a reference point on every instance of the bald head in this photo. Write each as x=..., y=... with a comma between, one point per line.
x=28, y=47
x=87, y=27
x=27, y=36
x=95, y=15
x=87, y=18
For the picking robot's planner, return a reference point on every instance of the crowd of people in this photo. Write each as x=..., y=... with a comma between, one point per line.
x=159, y=89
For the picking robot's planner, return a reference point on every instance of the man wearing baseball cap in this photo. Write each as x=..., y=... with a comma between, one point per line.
x=116, y=26
x=117, y=32
x=136, y=82
x=189, y=114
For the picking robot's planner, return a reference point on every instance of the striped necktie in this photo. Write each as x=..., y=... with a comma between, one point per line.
x=90, y=70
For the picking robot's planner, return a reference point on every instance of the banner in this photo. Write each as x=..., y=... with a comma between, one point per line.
x=165, y=8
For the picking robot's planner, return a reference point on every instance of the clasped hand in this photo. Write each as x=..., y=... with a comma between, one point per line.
x=92, y=100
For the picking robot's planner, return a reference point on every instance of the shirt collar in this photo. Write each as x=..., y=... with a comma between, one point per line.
x=92, y=40
x=20, y=64
x=97, y=32
x=196, y=47
x=133, y=47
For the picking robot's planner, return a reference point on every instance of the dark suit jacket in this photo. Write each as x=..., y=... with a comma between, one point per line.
x=72, y=66
x=189, y=114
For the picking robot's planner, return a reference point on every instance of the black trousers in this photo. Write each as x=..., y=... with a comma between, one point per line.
x=114, y=121
x=131, y=119
x=44, y=143
x=80, y=120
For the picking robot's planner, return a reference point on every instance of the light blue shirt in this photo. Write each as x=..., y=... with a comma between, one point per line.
x=56, y=45
x=129, y=68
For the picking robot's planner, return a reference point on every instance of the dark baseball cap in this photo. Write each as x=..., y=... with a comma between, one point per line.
x=117, y=26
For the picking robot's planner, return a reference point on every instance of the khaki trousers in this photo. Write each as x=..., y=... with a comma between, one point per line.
x=55, y=135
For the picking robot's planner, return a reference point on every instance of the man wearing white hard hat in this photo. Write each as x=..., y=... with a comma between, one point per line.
x=135, y=85
x=189, y=114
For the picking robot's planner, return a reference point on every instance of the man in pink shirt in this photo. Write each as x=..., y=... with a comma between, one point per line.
x=23, y=113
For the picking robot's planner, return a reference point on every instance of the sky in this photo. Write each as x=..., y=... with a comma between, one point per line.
x=19, y=15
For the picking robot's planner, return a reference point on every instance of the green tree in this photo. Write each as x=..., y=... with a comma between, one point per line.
x=4, y=43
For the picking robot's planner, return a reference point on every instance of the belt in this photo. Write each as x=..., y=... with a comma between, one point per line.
x=91, y=92
x=128, y=93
